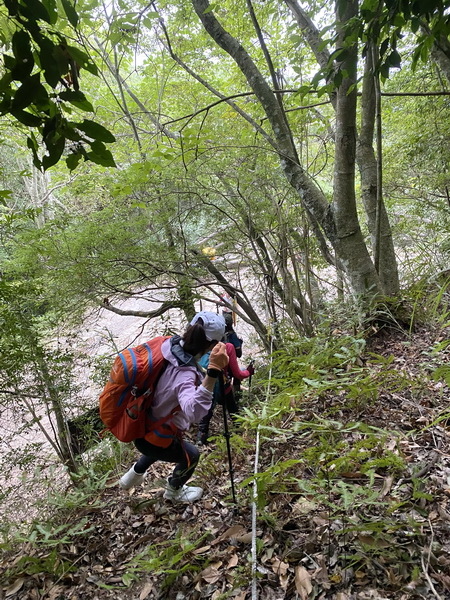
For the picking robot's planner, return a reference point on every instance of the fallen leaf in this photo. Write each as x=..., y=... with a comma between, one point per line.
x=353, y=475
x=302, y=582
x=303, y=506
x=284, y=582
x=211, y=574
x=279, y=567
x=374, y=542
x=387, y=484
x=234, y=560
x=201, y=550
x=14, y=587
x=231, y=532
x=145, y=592
x=244, y=539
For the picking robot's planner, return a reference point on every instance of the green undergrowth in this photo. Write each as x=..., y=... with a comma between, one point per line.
x=332, y=466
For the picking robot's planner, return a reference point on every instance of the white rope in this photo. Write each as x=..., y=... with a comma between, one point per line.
x=255, y=491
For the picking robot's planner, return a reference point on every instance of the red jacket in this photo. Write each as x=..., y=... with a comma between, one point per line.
x=233, y=368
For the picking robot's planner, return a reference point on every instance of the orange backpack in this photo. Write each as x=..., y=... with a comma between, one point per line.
x=127, y=395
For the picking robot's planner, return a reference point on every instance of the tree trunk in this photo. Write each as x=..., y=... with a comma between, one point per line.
x=351, y=249
x=346, y=240
x=365, y=154
x=367, y=163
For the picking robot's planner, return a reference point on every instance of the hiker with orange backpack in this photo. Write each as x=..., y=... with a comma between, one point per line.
x=182, y=396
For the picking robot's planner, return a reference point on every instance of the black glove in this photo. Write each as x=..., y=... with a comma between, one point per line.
x=251, y=368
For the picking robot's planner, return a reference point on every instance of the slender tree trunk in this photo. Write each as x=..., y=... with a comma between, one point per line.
x=350, y=246
x=440, y=53
x=184, y=286
x=55, y=408
x=367, y=163
x=365, y=154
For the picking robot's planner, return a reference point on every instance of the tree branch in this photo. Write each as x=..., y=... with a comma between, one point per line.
x=165, y=306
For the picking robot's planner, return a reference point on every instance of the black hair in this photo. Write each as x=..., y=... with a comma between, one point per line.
x=194, y=339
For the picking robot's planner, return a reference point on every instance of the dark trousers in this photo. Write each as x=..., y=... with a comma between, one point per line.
x=184, y=454
x=230, y=404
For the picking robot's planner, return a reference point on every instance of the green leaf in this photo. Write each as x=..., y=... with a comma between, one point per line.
x=9, y=62
x=78, y=99
x=71, y=13
x=105, y=161
x=415, y=24
x=311, y=382
x=96, y=131
x=5, y=84
x=211, y=7
x=296, y=39
x=21, y=45
x=369, y=5
x=82, y=59
x=50, y=5
x=394, y=59
x=23, y=65
x=38, y=10
x=55, y=151
x=73, y=160
x=12, y=6
x=323, y=44
x=49, y=65
x=26, y=118
x=383, y=46
x=4, y=195
x=384, y=71
x=25, y=94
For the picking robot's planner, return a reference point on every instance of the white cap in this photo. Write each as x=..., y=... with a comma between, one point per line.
x=214, y=325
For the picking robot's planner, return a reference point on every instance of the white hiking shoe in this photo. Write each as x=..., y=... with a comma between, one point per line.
x=183, y=494
x=131, y=479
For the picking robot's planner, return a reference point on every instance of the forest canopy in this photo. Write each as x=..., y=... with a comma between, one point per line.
x=293, y=154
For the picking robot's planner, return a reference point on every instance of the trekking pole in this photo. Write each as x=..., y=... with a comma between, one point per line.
x=252, y=362
x=227, y=435
x=250, y=380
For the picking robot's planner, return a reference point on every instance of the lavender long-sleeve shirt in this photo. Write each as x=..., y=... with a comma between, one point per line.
x=180, y=384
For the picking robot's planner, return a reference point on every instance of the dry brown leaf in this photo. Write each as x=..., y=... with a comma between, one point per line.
x=244, y=539
x=341, y=596
x=234, y=560
x=302, y=582
x=387, y=484
x=201, y=550
x=231, y=532
x=211, y=574
x=284, y=582
x=55, y=592
x=242, y=595
x=353, y=475
x=303, y=506
x=145, y=592
x=14, y=587
x=279, y=567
